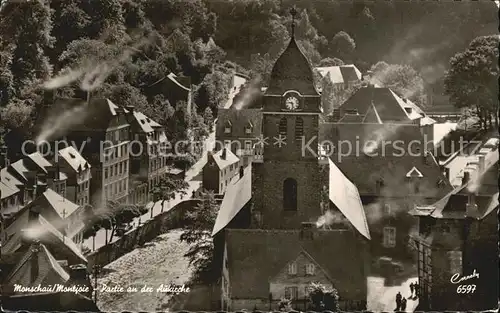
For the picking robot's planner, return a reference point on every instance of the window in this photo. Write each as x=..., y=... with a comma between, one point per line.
x=379, y=185
x=248, y=128
x=310, y=269
x=248, y=145
x=299, y=128
x=291, y=292
x=292, y=268
x=389, y=237
x=227, y=127
x=282, y=126
x=455, y=259
x=387, y=209
x=290, y=194
x=105, y=173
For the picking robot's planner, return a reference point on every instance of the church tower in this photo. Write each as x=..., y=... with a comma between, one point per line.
x=288, y=182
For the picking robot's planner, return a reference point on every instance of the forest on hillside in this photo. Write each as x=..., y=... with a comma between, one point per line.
x=130, y=45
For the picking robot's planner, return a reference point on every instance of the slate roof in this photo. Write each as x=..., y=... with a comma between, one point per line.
x=40, y=161
x=95, y=115
x=352, y=118
x=8, y=179
x=453, y=204
x=239, y=120
x=61, y=205
x=230, y=158
x=20, y=168
x=389, y=106
x=391, y=166
x=48, y=235
x=340, y=74
x=146, y=124
x=51, y=272
x=237, y=194
x=8, y=190
x=345, y=196
x=292, y=71
x=255, y=256
x=74, y=159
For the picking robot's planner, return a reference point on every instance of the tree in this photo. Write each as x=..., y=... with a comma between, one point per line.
x=330, y=62
x=26, y=27
x=17, y=115
x=199, y=222
x=6, y=78
x=472, y=79
x=402, y=79
x=166, y=189
x=342, y=46
x=208, y=118
x=323, y=298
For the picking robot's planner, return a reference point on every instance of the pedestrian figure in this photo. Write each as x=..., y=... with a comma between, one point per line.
x=403, y=304
x=411, y=289
x=398, y=301
x=417, y=290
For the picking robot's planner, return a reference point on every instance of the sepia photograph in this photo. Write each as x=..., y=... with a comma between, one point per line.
x=256, y=156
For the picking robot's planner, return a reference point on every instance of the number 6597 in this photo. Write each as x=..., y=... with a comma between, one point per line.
x=466, y=289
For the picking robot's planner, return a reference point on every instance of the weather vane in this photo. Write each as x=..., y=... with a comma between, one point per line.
x=293, y=12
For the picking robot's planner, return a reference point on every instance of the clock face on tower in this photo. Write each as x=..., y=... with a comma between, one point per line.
x=292, y=103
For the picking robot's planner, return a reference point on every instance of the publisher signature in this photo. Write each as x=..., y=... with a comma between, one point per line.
x=456, y=279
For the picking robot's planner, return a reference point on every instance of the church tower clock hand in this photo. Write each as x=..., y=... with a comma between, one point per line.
x=292, y=103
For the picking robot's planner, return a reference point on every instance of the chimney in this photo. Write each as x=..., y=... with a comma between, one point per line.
x=31, y=180
x=466, y=178
x=130, y=108
x=406, y=101
x=34, y=268
x=79, y=276
x=471, y=206
x=307, y=230
x=223, y=154
x=241, y=172
x=41, y=184
x=481, y=164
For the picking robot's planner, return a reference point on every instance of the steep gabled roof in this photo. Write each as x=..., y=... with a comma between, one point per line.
x=230, y=158
x=254, y=256
x=73, y=158
x=292, y=71
x=345, y=196
x=51, y=272
x=40, y=161
x=388, y=105
x=340, y=74
x=238, y=193
x=239, y=119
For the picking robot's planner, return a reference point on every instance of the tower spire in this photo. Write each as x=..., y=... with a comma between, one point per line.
x=293, y=12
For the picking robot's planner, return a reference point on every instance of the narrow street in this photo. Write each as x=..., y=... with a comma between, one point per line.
x=100, y=238
x=382, y=298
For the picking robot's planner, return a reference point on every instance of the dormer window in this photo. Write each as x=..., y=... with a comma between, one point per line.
x=248, y=128
x=227, y=127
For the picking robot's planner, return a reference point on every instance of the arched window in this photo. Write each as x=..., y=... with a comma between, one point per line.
x=282, y=126
x=299, y=128
x=290, y=194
